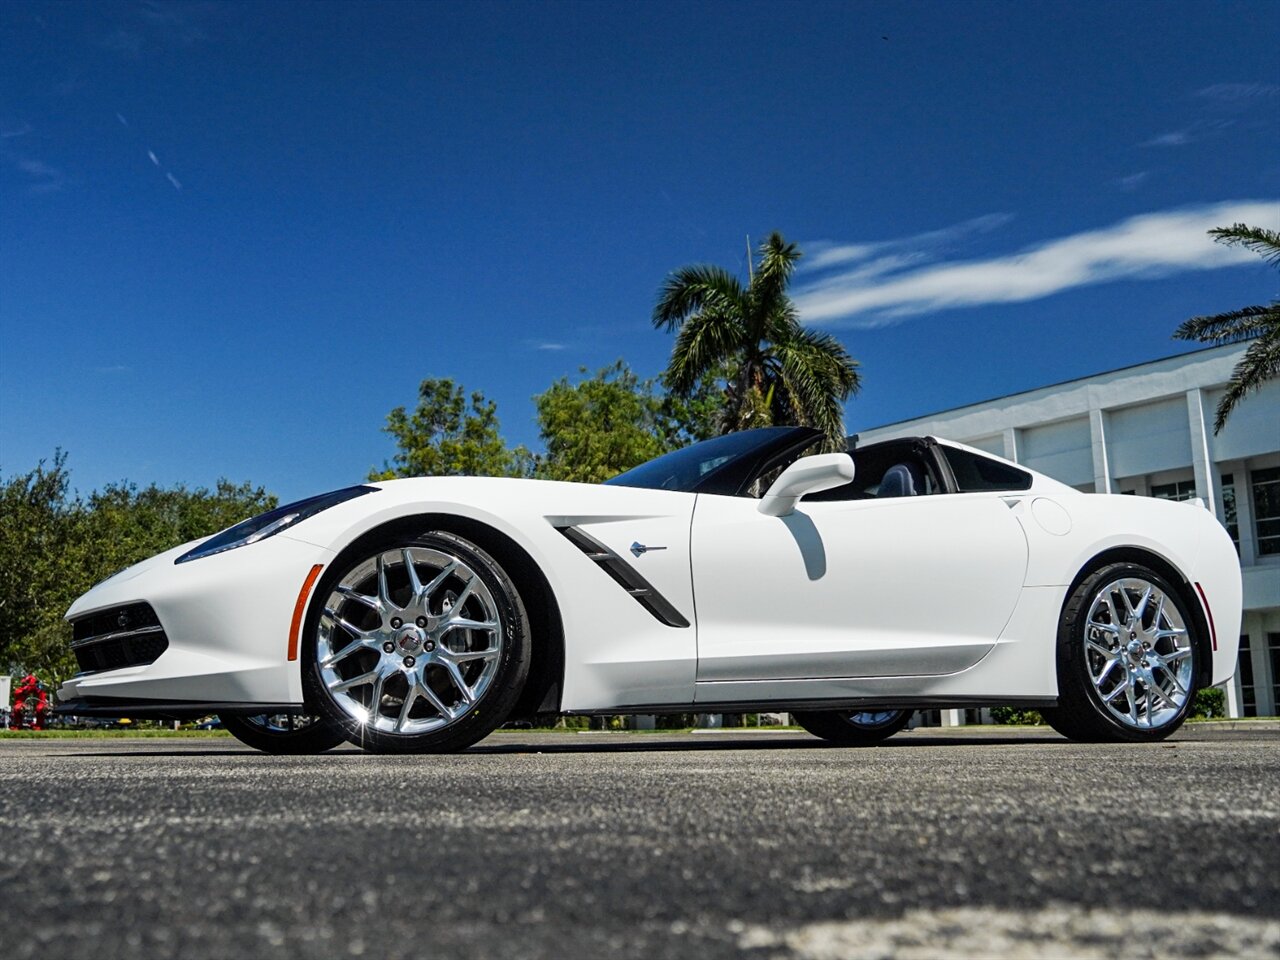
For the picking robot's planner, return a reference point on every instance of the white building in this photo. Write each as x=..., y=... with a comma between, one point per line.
x=1148, y=430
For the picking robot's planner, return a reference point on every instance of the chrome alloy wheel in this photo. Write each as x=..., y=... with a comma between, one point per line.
x=409, y=641
x=874, y=719
x=1138, y=652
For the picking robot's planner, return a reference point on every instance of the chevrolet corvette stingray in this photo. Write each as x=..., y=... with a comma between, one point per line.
x=743, y=573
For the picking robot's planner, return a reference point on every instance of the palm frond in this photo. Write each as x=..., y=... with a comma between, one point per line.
x=819, y=376
x=1265, y=243
x=1232, y=326
x=769, y=283
x=691, y=289
x=842, y=369
x=782, y=322
x=707, y=341
x=1260, y=363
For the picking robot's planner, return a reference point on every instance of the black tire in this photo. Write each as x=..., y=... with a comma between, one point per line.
x=270, y=735
x=852, y=728
x=469, y=723
x=1081, y=713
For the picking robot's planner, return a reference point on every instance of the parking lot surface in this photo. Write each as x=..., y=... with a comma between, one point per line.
x=966, y=843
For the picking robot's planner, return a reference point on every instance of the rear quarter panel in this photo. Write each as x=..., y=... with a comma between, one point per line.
x=1184, y=534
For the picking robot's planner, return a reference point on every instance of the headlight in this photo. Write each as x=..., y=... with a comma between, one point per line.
x=272, y=522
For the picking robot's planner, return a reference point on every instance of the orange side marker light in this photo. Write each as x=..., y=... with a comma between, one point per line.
x=300, y=608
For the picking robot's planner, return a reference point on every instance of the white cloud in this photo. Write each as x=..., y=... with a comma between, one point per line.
x=174, y=180
x=1192, y=133
x=44, y=178
x=1235, y=92
x=1175, y=138
x=549, y=346
x=1132, y=181
x=10, y=130
x=824, y=255
x=1146, y=246
x=154, y=159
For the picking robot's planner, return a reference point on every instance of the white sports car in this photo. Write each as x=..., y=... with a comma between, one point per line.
x=738, y=574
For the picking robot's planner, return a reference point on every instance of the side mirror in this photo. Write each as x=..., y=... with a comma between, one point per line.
x=806, y=475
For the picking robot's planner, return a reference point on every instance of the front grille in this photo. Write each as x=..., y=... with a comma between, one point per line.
x=128, y=636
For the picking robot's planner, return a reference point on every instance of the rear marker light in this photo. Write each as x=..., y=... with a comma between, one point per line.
x=300, y=608
x=1213, y=631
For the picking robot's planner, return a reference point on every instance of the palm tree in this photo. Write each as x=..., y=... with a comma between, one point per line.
x=1261, y=362
x=777, y=372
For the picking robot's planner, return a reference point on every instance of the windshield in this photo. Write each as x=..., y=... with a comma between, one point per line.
x=700, y=468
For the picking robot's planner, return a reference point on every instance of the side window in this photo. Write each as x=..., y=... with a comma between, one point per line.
x=975, y=473
x=913, y=477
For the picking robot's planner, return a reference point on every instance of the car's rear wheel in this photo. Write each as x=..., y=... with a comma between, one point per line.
x=863, y=728
x=1128, y=657
x=285, y=733
x=416, y=644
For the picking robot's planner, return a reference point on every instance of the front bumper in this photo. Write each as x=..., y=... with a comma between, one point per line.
x=227, y=620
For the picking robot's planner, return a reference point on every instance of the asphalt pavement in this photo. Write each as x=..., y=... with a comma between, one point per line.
x=769, y=845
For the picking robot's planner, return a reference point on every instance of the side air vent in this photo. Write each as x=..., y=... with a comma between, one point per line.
x=626, y=577
x=128, y=636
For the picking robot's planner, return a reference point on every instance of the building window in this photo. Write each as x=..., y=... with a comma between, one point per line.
x=1248, y=699
x=1229, y=509
x=1273, y=654
x=1266, y=510
x=1178, y=490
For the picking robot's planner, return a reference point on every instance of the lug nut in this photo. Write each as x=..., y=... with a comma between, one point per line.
x=409, y=661
x=421, y=621
x=429, y=646
x=396, y=623
x=389, y=647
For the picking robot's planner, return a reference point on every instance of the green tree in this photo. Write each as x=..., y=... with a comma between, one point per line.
x=778, y=371
x=602, y=425
x=42, y=559
x=1261, y=323
x=55, y=545
x=125, y=524
x=446, y=436
x=695, y=413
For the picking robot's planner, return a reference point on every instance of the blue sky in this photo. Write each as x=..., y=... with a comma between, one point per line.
x=233, y=236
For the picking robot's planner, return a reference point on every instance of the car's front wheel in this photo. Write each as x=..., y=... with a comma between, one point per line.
x=416, y=644
x=285, y=733
x=862, y=728
x=1128, y=657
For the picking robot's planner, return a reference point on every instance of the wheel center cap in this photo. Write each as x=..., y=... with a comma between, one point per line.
x=1134, y=648
x=410, y=640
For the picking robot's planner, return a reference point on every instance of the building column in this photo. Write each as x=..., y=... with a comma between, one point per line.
x=1244, y=515
x=1235, y=709
x=1011, y=444
x=1263, y=681
x=1098, y=441
x=1201, y=460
